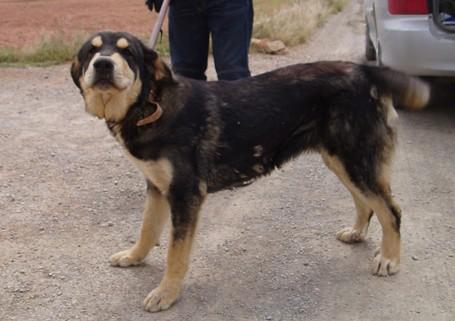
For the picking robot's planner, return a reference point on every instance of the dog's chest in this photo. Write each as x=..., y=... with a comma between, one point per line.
x=159, y=172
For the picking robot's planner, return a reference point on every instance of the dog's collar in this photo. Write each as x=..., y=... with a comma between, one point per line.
x=153, y=117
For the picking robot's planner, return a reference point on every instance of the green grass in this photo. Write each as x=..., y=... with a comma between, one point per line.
x=291, y=21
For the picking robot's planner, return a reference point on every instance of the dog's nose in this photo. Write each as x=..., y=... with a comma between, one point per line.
x=103, y=66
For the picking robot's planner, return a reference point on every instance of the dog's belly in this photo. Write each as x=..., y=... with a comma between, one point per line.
x=236, y=171
x=226, y=178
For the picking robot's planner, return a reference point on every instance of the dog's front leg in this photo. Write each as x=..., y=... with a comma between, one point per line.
x=156, y=212
x=185, y=205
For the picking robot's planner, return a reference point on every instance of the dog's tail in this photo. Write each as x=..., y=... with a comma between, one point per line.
x=407, y=91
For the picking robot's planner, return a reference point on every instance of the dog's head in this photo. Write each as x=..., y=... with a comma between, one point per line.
x=113, y=71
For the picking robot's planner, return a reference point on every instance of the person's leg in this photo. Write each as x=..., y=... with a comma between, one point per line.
x=230, y=23
x=188, y=39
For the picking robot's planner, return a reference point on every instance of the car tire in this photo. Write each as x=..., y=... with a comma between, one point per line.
x=370, y=51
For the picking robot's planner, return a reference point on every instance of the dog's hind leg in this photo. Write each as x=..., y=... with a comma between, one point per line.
x=376, y=198
x=156, y=212
x=387, y=259
x=358, y=231
x=185, y=207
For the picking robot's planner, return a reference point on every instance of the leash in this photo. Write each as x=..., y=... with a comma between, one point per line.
x=153, y=117
x=159, y=23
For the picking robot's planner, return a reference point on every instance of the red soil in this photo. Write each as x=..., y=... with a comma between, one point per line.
x=26, y=22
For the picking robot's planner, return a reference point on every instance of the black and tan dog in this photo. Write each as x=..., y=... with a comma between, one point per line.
x=190, y=138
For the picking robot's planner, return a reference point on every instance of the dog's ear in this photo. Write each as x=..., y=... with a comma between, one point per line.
x=157, y=68
x=76, y=71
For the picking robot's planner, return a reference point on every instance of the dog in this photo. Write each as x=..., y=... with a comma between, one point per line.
x=190, y=138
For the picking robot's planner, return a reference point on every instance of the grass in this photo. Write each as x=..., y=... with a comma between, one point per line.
x=291, y=21
x=51, y=50
x=55, y=50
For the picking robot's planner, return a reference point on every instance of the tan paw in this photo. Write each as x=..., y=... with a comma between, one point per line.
x=350, y=235
x=161, y=298
x=383, y=266
x=125, y=258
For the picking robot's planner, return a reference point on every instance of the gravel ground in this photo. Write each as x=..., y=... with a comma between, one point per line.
x=69, y=199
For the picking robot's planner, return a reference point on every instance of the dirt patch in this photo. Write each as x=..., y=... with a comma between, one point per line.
x=25, y=23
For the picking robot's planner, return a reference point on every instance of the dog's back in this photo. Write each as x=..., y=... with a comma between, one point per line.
x=273, y=117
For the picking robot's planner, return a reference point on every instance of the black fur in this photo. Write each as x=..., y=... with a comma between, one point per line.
x=211, y=131
x=220, y=135
x=291, y=117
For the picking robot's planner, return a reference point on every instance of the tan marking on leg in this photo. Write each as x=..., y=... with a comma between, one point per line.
x=122, y=43
x=162, y=297
x=388, y=260
x=358, y=232
x=97, y=42
x=156, y=213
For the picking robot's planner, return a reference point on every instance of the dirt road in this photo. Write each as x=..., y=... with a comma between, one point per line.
x=69, y=199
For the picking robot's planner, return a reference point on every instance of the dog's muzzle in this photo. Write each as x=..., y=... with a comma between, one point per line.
x=104, y=73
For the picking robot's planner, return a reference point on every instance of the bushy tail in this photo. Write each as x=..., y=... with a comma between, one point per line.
x=407, y=91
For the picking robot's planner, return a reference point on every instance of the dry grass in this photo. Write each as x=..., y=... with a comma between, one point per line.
x=54, y=50
x=51, y=50
x=291, y=21
x=294, y=22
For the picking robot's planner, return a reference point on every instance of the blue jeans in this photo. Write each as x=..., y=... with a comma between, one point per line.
x=228, y=22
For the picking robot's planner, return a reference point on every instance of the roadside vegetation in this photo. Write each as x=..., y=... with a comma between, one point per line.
x=51, y=50
x=54, y=50
x=291, y=21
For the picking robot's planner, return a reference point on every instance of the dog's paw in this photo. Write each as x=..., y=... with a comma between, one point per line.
x=125, y=258
x=350, y=235
x=383, y=266
x=161, y=298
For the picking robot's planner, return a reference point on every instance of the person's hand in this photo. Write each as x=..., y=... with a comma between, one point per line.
x=154, y=4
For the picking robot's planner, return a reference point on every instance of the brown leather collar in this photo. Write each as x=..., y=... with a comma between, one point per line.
x=153, y=117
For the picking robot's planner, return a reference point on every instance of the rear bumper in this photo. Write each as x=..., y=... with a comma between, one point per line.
x=414, y=45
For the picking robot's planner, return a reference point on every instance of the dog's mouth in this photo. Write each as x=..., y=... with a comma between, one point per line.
x=104, y=83
x=104, y=73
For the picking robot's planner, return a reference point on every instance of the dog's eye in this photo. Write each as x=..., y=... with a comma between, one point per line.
x=127, y=52
x=92, y=50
